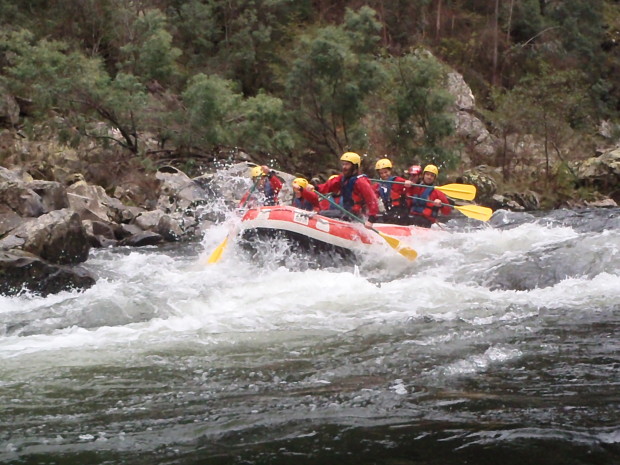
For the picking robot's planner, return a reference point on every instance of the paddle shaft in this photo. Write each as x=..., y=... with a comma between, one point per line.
x=458, y=191
x=341, y=208
x=473, y=211
x=431, y=201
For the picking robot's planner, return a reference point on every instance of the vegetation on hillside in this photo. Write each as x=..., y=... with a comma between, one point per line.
x=296, y=82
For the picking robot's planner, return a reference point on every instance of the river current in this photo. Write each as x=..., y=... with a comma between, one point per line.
x=500, y=344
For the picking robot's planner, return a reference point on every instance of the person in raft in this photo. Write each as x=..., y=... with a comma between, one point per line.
x=265, y=188
x=428, y=201
x=357, y=195
x=335, y=196
x=392, y=191
x=303, y=197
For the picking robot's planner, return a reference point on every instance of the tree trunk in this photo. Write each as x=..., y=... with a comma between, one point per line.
x=438, y=19
x=494, y=78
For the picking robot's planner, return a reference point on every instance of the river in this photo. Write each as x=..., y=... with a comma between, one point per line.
x=500, y=344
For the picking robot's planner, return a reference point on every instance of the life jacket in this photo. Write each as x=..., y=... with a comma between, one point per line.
x=349, y=200
x=389, y=197
x=303, y=204
x=270, y=194
x=385, y=192
x=421, y=207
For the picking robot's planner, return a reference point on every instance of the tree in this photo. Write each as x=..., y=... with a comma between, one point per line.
x=75, y=86
x=209, y=101
x=333, y=73
x=551, y=106
x=150, y=54
x=419, y=118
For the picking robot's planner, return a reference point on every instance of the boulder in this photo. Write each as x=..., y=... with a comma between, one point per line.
x=92, y=203
x=57, y=237
x=21, y=199
x=20, y=270
x=53, y=195
x=602, y=172
x=484, y=178
x=142, y=239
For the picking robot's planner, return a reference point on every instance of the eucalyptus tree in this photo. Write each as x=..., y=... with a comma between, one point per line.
x=419, y=119
x=75, y=87
x=216, y=115
x=333, y=72
x=554, y=109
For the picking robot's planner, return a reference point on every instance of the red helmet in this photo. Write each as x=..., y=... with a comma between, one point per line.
x=414, y=169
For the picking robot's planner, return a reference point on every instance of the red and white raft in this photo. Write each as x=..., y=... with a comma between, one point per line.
x=311, y=232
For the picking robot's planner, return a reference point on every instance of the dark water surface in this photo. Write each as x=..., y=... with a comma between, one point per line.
x=499, y=345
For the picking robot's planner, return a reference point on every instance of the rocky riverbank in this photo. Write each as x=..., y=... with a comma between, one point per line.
x=47, y=227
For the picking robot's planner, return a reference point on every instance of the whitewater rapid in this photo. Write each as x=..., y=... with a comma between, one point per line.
x=161, y=326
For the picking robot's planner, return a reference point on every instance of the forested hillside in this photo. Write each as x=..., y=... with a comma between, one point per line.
x=296, y=82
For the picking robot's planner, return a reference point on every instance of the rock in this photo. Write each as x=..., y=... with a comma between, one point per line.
x=483, y=178
x=21, y=270
x=10, y=220
x=9, y=108
x=14, y=175
x=21, y=199
x=184, y=200
x=142, y=239
x=169, y=228
x=463, y=96
x=53, y=194
x=604, y=203
x=57, y=237
x=602, y=172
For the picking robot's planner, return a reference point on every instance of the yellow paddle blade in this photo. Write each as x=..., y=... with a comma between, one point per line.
x=216, y=255
x=406, y=252
x=459, y=191
x=475, y=211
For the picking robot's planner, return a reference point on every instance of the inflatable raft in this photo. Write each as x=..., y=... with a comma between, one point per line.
x=311, y=233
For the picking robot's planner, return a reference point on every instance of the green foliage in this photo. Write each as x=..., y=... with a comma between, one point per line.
x=329, y=80
x=527, y=20
x=78, y=87
x=250, y=35
x=197, y=29
x=150, y=55
x=265, y=126
x=210, y=101
x=419, y=117
x=551, y=106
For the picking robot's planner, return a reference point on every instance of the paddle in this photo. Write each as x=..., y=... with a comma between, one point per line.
x=473, y=211
x=216, y=255
x=406, y=252
x=457, y=191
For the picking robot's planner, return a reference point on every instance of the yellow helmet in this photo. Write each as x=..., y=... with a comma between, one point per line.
x=351, y=157
x=383, y=163
x=431, y=169
x=256, y=171
x=301, y=182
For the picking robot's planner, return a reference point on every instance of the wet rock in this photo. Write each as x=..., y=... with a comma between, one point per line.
x=142, y=239
x=20, y=270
